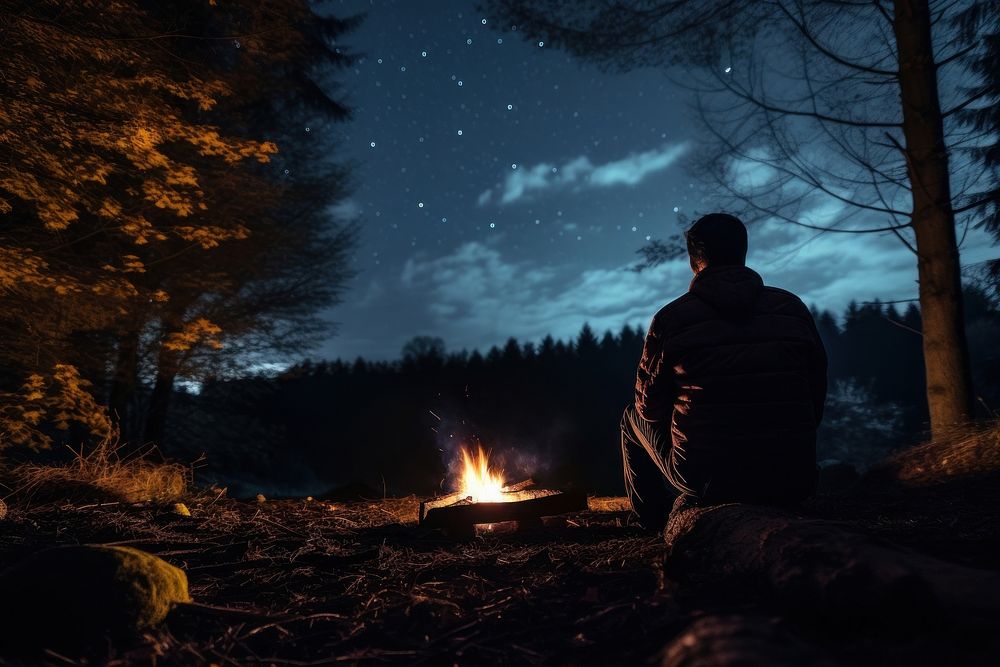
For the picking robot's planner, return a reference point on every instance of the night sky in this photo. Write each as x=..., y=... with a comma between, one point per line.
x=504, y=187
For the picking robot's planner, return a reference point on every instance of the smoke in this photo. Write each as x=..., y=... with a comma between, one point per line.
x=518, y=454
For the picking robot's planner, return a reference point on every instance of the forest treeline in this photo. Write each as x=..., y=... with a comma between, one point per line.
x=547, y=410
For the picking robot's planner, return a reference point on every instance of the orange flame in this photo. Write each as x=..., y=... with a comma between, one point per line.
x=478, y=480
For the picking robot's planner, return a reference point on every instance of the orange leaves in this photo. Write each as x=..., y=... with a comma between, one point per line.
x=210, y=237
x=199, y=331
x=211, y=143
x=141, y=230
x=109, y=208
x=130, y=264
x=139, y=144
x=63, y=397
x=165, y=197
x=22, y=269
x=85, y=111
x=122, y=180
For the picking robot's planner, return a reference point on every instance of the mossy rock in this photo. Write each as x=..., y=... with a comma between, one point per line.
x=77, y=595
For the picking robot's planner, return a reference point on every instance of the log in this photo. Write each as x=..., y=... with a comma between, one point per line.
x=724, y=640
x=826, y=570
x=459, y=520
x=520, y=486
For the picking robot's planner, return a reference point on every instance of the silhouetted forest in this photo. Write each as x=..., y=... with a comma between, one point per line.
x=548, y=410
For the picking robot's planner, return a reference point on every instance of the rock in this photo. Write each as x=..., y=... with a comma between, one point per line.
x=733, y=639
x=75, y=596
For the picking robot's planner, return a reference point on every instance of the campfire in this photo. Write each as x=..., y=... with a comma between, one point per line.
x=479, y=483
x=484, y=498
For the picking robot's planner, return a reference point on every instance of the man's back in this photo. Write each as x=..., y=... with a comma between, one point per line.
x=739, y=373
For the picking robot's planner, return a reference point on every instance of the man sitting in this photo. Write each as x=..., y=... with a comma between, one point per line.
x=729, y=391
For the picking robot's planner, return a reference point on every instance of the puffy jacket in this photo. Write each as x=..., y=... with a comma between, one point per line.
x=738, y=371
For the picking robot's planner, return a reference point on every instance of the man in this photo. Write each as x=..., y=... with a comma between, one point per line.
x=729, y=391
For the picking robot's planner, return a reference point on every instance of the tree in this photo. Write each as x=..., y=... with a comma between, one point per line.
x=424, y=350
x=826, y=114
x=587, y=344
x=102, y=143
x=130, y=248
x=978, y=22
x=264, y=293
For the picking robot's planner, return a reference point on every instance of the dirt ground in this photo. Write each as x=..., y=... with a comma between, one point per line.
x=297, y=582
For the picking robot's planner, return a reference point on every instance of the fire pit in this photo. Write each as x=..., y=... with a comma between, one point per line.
x=484, y=498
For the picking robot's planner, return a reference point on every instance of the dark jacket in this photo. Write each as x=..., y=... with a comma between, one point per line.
x=738, y=372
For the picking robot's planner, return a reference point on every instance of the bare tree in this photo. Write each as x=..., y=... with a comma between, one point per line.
x=841, y=116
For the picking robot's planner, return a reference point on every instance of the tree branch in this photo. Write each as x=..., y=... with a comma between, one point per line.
x=803, y=29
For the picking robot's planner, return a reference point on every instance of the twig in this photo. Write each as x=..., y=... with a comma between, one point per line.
x=87, y=507
x=293, y=619
x=284, y=528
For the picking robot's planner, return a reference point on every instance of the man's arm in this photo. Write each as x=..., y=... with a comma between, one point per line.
x=653, y=397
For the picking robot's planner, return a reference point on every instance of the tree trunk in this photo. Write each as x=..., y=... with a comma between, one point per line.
x=124, y=381
x=946, y=356
x=159, y=400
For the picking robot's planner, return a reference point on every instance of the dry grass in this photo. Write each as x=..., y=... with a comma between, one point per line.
x=964, y=453
x=102, y=474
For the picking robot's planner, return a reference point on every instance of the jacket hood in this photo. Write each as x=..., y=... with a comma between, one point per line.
x=732, y=290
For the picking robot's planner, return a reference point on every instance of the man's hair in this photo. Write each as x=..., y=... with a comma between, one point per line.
x=717, y=239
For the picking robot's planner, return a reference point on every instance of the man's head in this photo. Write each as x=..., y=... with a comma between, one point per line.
x=717, y=239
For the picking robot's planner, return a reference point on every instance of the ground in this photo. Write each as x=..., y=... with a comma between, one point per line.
x=314, y=582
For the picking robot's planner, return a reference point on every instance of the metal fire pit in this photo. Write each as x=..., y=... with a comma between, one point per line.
x=458, y=516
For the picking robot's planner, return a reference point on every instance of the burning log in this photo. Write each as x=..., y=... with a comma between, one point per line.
x=484, y=498
x=458, y=520
x=520, y=486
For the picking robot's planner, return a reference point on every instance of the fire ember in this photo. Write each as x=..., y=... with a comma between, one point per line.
x=485, y=498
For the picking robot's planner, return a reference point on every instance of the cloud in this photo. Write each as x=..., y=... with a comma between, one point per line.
x=636, y=167
x=580, y=173
x=476, y=297
x=347, y=209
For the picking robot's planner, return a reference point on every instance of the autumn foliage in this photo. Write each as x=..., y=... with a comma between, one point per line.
x=129, y=142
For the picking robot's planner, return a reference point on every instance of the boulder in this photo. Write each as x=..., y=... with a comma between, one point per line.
x=75, y=596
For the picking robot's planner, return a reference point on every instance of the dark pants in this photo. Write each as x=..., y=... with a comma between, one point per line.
x=651, y=479
x=654, y=484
